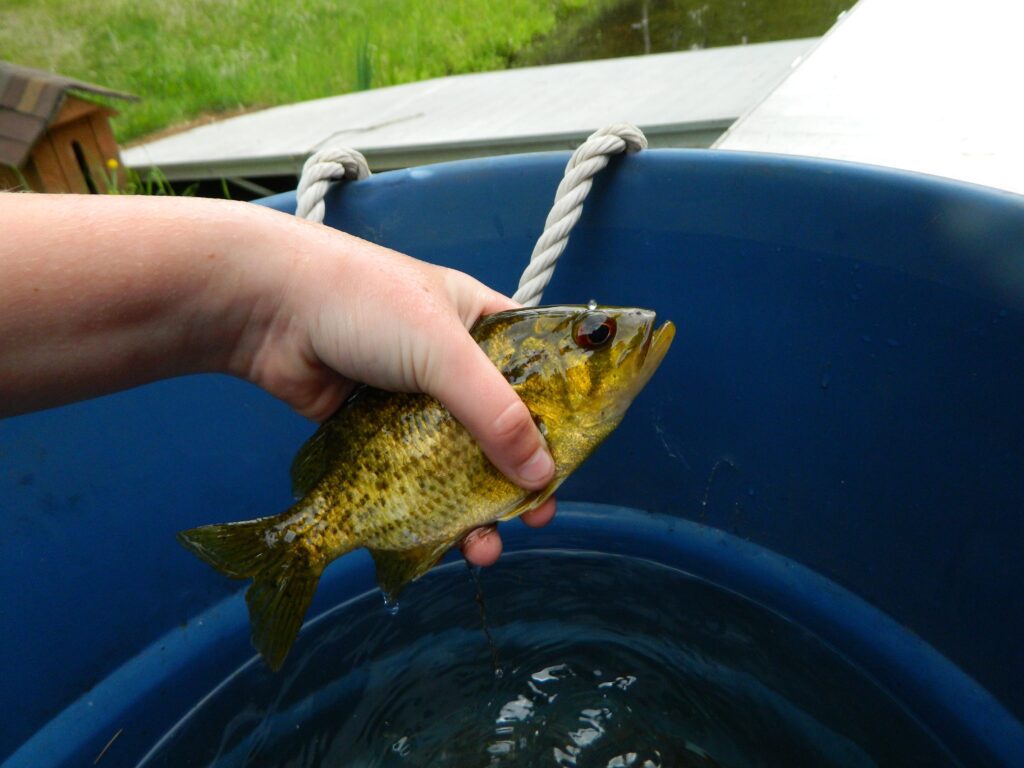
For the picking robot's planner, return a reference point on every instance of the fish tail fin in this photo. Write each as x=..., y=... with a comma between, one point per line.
x=238, y=550
x=284, y=577
x=278, y=600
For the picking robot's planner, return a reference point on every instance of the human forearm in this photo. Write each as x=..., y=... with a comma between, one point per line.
x=99, y=294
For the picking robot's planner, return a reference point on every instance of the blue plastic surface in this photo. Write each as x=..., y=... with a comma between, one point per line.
x=843, y=390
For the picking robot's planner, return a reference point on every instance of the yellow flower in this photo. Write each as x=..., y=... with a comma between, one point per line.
x=112, y=164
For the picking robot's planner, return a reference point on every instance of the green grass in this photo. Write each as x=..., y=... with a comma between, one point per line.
x=190, y=57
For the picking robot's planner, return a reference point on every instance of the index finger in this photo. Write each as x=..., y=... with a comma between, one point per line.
x=478, y=396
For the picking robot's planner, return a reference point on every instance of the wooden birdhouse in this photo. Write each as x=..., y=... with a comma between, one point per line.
x=52, y=137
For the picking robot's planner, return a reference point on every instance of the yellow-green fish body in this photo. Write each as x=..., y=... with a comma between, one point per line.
x=397, y=474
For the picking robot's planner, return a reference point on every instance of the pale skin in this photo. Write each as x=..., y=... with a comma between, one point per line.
x=102, y=293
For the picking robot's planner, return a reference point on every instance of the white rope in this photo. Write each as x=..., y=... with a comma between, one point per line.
x=330, y=165
x=320, y=171
x=589, y=158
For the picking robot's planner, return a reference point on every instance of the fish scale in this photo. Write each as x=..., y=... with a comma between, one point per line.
x=397, y=474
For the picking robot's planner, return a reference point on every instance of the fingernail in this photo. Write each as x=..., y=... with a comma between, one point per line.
x=538, y=467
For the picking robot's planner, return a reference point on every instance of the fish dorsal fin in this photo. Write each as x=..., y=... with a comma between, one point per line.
x=310, y=463
x=396, y=568
x=338, y=437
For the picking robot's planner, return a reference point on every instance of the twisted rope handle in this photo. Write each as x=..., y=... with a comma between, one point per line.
x=330, y=165
x=321, y=170
x=588, y=159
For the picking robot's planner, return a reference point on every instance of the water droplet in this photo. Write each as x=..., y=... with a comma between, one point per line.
x=592, y=304
x=391, y=606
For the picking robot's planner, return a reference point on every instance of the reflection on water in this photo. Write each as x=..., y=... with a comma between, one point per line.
x=606, y=661
x=600, y=30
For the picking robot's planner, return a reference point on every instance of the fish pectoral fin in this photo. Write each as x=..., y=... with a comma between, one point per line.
x=532, y=501
x=397, y=567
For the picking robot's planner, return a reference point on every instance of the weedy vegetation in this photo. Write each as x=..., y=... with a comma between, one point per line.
x=193, y=59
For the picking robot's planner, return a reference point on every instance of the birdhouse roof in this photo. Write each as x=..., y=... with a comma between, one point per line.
x=30, y=100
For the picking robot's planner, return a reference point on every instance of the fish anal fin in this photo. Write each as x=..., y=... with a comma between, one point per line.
x=397, y=567
x=338, y=439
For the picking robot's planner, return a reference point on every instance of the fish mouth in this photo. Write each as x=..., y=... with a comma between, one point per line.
x=653, y=351
x=656, y=346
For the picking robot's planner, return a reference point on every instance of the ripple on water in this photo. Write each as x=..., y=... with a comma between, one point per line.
x=626, y=664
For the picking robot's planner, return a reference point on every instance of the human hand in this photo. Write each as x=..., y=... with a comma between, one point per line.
x=350, y=311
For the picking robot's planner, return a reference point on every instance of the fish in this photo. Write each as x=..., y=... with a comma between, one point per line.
x=397, y=474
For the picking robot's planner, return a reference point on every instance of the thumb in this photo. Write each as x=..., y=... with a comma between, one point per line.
x=476, y=393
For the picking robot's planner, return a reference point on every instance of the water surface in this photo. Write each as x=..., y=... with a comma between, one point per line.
x=602, y=661
x=612, y=29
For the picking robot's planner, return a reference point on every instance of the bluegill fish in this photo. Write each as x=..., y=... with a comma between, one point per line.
x=397, y=474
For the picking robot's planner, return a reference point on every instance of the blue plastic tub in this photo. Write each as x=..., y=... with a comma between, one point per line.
x=838, y=431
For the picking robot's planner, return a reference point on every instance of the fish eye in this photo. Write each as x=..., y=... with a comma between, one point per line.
x=594, y=329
